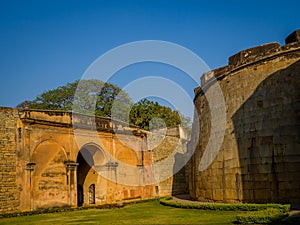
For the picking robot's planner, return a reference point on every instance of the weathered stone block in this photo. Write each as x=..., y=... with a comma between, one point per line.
x=293, y=37
x=250, y=54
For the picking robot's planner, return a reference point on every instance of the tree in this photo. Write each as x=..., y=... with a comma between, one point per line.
x=95, y=97
x=145, y=112
x=91, y=95
x=60, y=98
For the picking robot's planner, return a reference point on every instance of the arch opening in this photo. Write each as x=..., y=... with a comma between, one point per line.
x=90, y=185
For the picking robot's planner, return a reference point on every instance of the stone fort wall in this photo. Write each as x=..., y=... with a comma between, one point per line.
x=259, y=160
x=9, y=194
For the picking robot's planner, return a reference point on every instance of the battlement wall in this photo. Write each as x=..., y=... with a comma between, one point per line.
x=255, y=56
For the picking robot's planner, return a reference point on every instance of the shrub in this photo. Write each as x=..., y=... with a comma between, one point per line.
x=258, y=213
x=266, y=216
x=223, y=206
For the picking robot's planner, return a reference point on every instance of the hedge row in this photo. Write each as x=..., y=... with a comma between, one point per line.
x=266, y=216
x=223, y=206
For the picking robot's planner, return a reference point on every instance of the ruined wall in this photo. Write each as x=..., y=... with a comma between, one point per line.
x=259, y=160
x=169, y=149
x=41, y=163
x=57, y=160
x=9, y=191
x=51, y=159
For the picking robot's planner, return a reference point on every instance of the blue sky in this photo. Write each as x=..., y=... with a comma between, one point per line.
x=45, y=44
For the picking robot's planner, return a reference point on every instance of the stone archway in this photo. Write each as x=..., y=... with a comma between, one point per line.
x=90, y=157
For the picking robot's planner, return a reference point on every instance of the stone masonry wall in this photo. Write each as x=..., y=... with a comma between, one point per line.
x=41, y=164
x=167, y=154
x=9, y=193
x=259, y=160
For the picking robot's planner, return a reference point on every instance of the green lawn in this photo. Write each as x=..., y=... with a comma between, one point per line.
x=142, y=213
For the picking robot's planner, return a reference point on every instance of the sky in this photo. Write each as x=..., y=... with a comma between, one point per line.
x=46, y=44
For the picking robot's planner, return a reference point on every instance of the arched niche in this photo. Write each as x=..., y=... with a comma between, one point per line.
x=48, y=181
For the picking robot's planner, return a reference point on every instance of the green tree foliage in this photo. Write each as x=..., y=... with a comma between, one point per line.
x=87, y=92
x=99, y=98
x=146, y=112
x=60, y=98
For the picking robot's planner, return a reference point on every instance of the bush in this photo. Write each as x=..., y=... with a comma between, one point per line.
x=223, y=206
x=266, y=216
x=258, y=213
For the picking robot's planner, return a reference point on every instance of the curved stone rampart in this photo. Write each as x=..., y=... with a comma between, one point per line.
x=259, y=160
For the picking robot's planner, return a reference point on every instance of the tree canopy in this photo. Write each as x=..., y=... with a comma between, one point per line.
x=107, y=96
x=62, y=98
x=145, y=111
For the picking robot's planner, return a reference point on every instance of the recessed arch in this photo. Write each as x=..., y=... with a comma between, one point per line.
x=49, y=177
x=44, y=151
x=48, y=141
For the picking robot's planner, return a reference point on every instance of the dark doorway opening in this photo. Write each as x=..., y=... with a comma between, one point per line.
x=79, y=195
x=82, y=171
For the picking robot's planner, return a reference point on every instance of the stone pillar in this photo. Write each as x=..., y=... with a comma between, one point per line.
x=71, y=170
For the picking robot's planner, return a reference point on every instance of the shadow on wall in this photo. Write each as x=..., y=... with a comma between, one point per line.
x=267, y=128
x=179, y=182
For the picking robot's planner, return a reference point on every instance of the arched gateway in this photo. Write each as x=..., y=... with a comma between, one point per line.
x=91, y=186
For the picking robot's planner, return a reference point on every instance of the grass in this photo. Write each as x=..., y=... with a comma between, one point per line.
x=142, y=213
x=159, y=211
